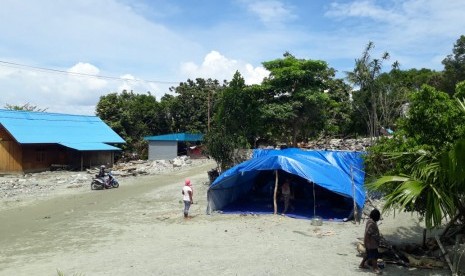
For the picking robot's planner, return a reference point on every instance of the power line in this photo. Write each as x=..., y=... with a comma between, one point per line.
x=43, y=69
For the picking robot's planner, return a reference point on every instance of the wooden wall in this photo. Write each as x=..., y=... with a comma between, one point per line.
x=16, y=158
x=97, y=158
x=39, y=157
x=10, y=153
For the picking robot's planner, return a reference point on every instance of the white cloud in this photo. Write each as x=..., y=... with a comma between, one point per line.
x=217, y=66
x=417, y=30
x=81, y=73
x=73, y=90
x=126, y=84
x=270, y=12
x=366, y=8
x=150, y=40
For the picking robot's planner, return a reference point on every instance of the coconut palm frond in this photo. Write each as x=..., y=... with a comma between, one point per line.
x=461, y=104
x=438, y=205
x=380, y=182
x=454, y=163
x=409, y=190
x=405, y=195
x=428, y=173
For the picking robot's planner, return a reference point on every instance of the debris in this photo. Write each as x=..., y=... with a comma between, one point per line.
x=446, y=256
x=42, y=183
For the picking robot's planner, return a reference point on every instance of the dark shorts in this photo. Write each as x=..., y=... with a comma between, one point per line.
x=372, y=254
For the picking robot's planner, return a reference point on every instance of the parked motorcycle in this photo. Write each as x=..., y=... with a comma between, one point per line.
x=106, y=182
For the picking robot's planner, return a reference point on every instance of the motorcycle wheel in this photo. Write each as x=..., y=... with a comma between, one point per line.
x=115, y=184
x=95, y=186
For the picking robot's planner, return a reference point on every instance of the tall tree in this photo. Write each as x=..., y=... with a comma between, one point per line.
x=365, y=76
x=193, y=109
x=340, y=109
x=454, y=66
x=236, y=122
x=295, y=105
x=131, y=115
x=432, y=123
x=433, y=119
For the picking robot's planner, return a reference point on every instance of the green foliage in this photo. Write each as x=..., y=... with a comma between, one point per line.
x=412, y=79
x=236, y=122
x=434, y=186
x=370, y=95
x=295, y=106
x=132, y=116
x=238, y=111
x=454, y=66
x=194, y=105
x=25, y=107
x=220, y=146
x=433, y=118
x=460, y=90
x=382, y=157
x=430, y=182
x=339, y=109
x=433, y=123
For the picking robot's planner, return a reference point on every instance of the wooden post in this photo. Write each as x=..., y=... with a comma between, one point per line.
x=456, y=259
x=353, y=194
x=424, y=239
x=314, y=200
x=82, y=162
x=275, y=193
x=446, y=256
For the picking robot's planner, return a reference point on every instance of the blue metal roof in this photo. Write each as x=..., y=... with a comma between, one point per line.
x=176, y=137
x=29, y=127
x=89, y=146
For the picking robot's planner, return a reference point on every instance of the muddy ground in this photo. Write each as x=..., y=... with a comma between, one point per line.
x=138, y=229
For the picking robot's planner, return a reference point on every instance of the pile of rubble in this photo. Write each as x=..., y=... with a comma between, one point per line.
x=41, y=184
x=338, y=144
x=138, y=167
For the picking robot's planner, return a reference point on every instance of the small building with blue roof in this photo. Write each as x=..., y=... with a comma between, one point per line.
x=37, y=141
x=169, y=146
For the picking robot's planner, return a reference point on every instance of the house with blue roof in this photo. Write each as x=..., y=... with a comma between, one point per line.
x=37, y=141
x=169, y=146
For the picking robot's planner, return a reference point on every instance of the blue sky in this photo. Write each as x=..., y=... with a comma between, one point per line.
x=154, y=44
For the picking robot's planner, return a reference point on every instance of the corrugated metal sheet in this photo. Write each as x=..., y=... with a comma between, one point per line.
x=41, y=127
x=163, y=150
x=176, y=137
x=89, y=146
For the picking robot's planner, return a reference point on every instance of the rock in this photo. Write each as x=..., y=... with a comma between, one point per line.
x=177, y=163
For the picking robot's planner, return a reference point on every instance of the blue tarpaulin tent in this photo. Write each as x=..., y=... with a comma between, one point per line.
x=327, y=183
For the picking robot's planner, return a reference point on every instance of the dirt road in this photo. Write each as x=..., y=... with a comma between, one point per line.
x=138, y=229
x=85, y=221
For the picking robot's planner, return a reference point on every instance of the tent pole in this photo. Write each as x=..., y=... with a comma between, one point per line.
x=314, y=200
x=275, y=192
x=353, y=194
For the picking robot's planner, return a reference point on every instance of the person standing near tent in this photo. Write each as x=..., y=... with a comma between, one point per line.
x=187, y=194
x=286, y=193
x=371, y=242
